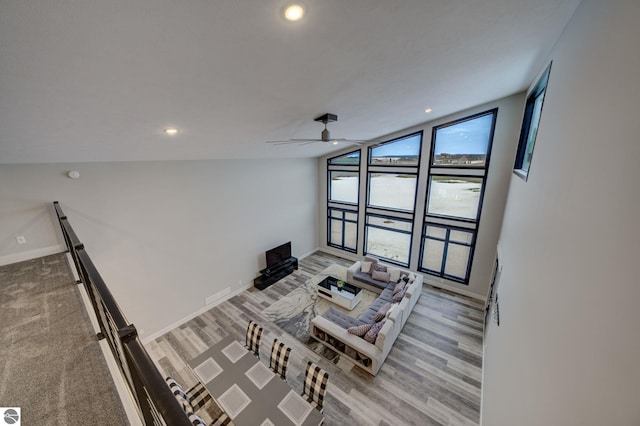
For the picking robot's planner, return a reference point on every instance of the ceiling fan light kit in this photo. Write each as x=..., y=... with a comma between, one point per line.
x=325, y=135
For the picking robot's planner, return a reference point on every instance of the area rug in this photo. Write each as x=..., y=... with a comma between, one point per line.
x=294, y=312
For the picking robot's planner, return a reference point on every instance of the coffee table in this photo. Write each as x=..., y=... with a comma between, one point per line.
x=347, y=298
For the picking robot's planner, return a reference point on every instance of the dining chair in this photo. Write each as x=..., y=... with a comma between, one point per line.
x=252, y=343
x=223, y=420
x=279, y=359
x=180, y=395
x=205, y=406
x=315, y=385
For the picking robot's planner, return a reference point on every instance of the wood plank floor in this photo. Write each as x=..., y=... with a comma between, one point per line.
x=431, y=376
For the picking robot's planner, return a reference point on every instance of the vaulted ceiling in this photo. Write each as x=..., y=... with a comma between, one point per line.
x=99, y=80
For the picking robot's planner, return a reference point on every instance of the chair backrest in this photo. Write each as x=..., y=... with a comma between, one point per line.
x=254, y=332
x=279, y=358
x=198, y=396
x=315, y=385
x=180, y=395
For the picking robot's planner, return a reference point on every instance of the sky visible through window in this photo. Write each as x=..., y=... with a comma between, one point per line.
x=468, y=137
x=407, y=147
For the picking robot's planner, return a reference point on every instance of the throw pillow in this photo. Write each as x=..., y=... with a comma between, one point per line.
x=398, y=297
x=373, y=332
x=366, y=267
x=359, y=330
x=405, y=278
x=380, y=276
x=394, y=274
x=382, y=311
x=378, y=267
x=399, y=287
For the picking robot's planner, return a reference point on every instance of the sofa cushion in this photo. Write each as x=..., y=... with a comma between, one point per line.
x=378, y=267
x=368, y=316
x=359, y=330
x=373, y=332
x=381, y=276
x=366, y=267
x=394, y=274
x=387, y=293
x=366, y=278
x=382, y=311
x=340, y=318
x=398, y=297
x=399, y=287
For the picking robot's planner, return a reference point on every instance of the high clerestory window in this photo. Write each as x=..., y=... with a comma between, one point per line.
x=392, y=179
x=343, y=189
x=458, y=169
x=530, y=122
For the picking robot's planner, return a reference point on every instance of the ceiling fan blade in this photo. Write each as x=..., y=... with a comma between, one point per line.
x=293, y=141
x=351, y=141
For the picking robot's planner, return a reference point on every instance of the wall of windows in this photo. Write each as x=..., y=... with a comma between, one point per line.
x=392, y=178
x=460, y=152
x=343, y=189
x=417, y=200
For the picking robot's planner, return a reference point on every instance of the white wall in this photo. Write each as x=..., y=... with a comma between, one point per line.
x=164, y=235
x=502, y=156
x=568, y=346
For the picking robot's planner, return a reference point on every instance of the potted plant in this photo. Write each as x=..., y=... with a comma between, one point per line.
x=340, y=284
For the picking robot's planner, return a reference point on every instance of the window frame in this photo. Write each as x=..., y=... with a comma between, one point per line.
x=476, y=219
x=378, y=145
x=329, y=188
x=391, y=209
x=342, y=220
x=395, y=218
x=452, y=222
x=446, y=241
x=540, y=89
x=343, y=206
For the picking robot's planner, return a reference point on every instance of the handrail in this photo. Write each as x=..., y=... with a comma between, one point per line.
x=150, y=392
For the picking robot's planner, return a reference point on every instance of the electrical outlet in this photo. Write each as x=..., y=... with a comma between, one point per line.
x=21, y=239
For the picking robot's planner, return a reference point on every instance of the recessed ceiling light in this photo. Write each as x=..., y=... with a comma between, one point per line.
x=293, y=12
x=171, y=131
x=428, y=110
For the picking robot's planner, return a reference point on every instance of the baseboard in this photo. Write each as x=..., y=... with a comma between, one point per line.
x=453, y=289
x=31, y=254
x=191, y=316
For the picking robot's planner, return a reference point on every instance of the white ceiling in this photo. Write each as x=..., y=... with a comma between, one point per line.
x=96, y=80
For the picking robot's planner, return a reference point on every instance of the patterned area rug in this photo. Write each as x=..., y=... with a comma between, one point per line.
x=294, y=312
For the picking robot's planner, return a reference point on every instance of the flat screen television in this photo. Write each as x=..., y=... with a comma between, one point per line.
x=278, y=254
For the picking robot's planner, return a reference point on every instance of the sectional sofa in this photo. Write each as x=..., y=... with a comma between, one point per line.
x=332, y=327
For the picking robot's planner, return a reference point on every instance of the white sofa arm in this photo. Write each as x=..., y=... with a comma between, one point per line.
x=351, y=271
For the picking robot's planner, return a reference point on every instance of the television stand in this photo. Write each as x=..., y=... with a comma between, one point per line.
x=275, y=273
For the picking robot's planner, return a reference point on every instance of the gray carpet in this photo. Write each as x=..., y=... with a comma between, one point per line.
x=51, y=363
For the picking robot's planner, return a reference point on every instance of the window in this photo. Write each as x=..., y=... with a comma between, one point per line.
x=389, y=238
x=455, y=196
x=460, y=153
x=343, y=194
x=343, y=229
x=392, y=181
x=403, y=151
x=344, y=187
x=396, y=191
x=530, y=123
x=447, y=251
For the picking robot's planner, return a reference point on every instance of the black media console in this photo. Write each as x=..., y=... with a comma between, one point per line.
x=274, y=273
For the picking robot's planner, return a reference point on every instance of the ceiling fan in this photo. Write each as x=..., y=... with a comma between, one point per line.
x=325, y=136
